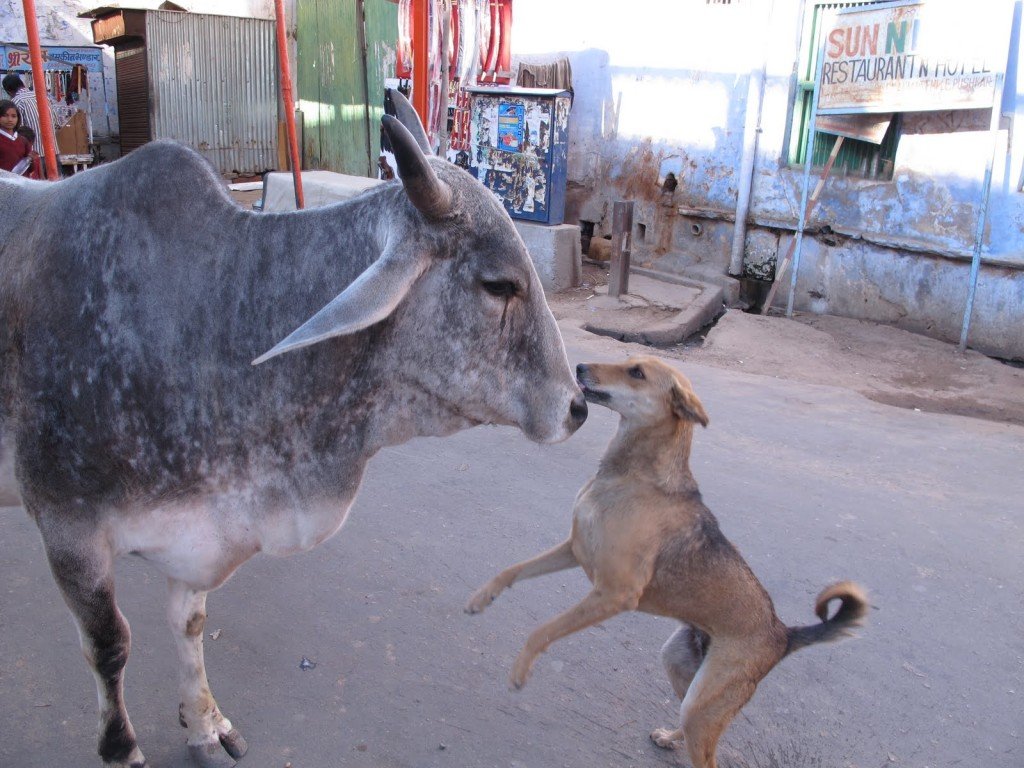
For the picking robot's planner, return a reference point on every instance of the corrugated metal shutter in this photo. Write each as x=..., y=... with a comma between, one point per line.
x=132, y=96
x=214, y=87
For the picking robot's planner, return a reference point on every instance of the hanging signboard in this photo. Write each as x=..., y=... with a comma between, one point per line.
x=917, y=56
x=864, y=127
x=15, y=58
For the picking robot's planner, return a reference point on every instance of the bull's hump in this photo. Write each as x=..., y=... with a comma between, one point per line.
x=166, y=167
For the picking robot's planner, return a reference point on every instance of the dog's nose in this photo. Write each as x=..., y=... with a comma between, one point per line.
x=581, y=370
x=578, y=410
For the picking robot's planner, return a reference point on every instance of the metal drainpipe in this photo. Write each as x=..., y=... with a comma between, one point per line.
x=751, y=133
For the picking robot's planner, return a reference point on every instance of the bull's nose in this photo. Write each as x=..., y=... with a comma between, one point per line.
x=578, y=410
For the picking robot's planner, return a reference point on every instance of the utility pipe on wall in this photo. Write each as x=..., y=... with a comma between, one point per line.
x=39, y=84
x=751, y=134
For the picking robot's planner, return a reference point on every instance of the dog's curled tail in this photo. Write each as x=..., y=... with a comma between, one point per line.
x=853, y=607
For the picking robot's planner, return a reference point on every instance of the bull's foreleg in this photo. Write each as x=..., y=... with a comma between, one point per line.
x=212, y=741
x=81, y=563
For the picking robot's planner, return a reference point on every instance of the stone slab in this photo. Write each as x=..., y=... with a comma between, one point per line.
x=556, y=253
x=318, y=188
x=655, y=311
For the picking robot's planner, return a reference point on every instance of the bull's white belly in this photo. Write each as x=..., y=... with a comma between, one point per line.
x=202, y=541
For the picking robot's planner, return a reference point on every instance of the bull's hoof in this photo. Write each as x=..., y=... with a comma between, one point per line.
x=210, y=754
x=233, y=743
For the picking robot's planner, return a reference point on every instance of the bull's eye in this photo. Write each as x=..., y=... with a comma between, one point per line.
x=502, y=289
x=636, y=372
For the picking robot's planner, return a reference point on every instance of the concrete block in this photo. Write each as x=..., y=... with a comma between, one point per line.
x=640, y=315
x=318, y=188
x=709, y=305
x=556, y=253
x=710, y=273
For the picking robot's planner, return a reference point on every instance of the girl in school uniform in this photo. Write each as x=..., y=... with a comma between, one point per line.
x=13, y=147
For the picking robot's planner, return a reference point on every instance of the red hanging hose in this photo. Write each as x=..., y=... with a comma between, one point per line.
x=289, y=102
x=420, y=86
x=39, y=83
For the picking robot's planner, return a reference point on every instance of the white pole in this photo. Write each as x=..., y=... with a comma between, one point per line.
x=979, y=234
x=808, y=150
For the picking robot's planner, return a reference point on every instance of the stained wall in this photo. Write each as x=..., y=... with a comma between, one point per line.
x=663, y=87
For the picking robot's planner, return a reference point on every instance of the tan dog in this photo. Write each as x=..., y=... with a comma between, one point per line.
x=648, y=543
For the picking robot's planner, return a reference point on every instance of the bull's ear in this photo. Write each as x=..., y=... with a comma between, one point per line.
x=396, y=104
x=428, y=193
x=371, y=298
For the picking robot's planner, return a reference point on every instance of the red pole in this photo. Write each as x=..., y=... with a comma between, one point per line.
x=289, y=102
x=420, y=45
x=39, y=83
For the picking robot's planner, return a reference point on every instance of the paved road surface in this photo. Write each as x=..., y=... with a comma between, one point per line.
x=812, y=483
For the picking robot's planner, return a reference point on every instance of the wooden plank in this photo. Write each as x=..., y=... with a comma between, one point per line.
x=341, y=120
x=381, y=26
x=282, y=147
x=346, y=49
x=622, y=235
x=783, y=265
x=307, y=78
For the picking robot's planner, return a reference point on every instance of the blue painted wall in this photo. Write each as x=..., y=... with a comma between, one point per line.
x=663, y=86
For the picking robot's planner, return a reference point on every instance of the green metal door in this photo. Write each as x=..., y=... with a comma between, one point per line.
x=341, y=80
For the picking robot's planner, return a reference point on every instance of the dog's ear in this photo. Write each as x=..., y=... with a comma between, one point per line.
x=687, y=406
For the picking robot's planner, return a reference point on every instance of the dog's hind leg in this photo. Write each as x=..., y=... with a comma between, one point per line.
x=723, y=684
x=682, y=656
x=557, y=559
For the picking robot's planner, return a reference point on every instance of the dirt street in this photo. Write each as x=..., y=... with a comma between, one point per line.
x=812, y=482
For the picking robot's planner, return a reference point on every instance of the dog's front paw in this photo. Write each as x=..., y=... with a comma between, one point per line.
x=665, y=738
x=483, y=597
x=520, y=671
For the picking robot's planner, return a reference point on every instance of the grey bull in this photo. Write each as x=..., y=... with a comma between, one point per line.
x=133, y=301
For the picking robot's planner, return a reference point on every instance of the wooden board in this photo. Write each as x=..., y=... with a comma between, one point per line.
x=342, y=126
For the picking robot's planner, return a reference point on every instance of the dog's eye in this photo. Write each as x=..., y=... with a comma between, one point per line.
x=502, y=289
x=636, y=372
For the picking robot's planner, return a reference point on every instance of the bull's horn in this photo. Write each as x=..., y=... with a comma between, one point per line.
x=406, y=114
x=372, y=297
x=428, y=193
